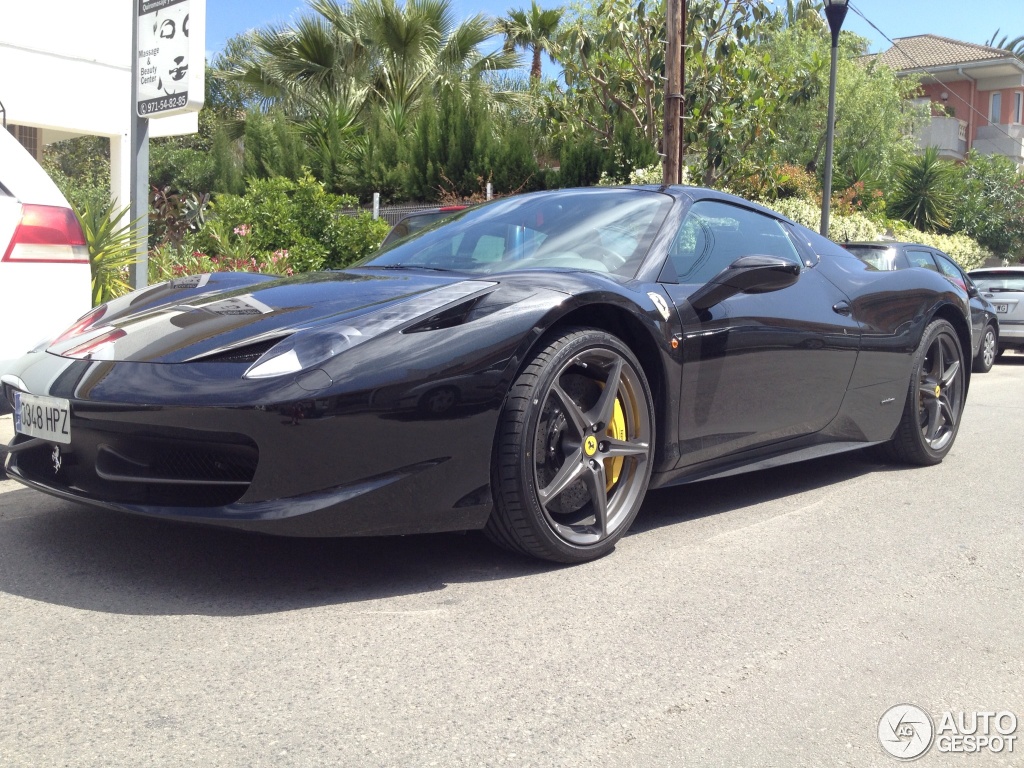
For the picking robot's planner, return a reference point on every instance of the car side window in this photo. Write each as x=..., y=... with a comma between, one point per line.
x=951, y=270
x=921, y=259
x=714, y=234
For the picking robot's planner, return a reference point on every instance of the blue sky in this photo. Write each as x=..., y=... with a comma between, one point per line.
x=972, y=22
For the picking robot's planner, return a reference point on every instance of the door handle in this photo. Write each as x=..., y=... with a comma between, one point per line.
x=842, y=308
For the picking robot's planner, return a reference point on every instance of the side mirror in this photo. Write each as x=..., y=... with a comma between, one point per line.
x=748, y=274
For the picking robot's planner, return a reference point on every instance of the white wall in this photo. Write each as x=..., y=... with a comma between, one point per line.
x=65, y=65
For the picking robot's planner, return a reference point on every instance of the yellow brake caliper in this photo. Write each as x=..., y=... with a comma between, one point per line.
x=616, y=431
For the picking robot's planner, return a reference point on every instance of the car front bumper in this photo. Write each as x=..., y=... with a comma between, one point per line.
x=304, y=466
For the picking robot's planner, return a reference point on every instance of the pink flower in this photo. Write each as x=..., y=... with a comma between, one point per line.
x=242, y=230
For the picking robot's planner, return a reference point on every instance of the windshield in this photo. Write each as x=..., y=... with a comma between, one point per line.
x=999, y=281
x=599, y=230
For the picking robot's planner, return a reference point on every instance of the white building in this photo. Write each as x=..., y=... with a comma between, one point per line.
x=67, y=69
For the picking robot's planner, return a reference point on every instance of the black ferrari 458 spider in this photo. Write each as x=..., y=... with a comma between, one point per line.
x=529, y=367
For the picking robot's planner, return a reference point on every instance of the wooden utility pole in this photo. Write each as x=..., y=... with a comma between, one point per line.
x=682, y=88
x=675, y=79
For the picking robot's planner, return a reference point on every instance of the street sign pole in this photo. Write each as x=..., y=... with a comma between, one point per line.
x=168, y=78
x=139, y=142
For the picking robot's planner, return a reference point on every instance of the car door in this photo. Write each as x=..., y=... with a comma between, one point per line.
x=757, y=367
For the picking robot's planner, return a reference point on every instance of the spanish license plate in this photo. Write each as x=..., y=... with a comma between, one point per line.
x=1002, y=308
x=45, y=417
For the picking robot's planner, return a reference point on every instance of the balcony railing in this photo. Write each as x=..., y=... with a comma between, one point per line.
x=947, y=133
x=1001, y=140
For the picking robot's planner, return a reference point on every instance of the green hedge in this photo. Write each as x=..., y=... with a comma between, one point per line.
x=300, y=217
x=854, y=227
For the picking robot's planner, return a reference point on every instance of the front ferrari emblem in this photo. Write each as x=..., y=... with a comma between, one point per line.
x=590, y=445
x=55, y=458
x=938, y=390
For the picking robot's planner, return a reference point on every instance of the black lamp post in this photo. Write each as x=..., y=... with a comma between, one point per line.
x=835, y=12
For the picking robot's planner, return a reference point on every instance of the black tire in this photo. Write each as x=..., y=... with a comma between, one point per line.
x=935, y=401
x=987, y=352
x=571, y=463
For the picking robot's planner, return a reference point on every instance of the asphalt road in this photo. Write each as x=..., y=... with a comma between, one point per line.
x=766, y=620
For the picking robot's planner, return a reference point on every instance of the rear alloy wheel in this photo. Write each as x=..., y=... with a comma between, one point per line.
x=931, y=416
x=574, y=450
x=988, y=352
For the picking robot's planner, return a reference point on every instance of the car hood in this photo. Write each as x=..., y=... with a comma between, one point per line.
x=208, y=317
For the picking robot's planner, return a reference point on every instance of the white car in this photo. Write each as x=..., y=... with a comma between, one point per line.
x=1004, y=287
x=45, y=282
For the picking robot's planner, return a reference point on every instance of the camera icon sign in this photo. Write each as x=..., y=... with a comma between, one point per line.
x=906, y=731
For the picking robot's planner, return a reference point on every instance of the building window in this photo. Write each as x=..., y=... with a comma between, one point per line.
x=28, y=137
x=1018, y=107
x=996, y=111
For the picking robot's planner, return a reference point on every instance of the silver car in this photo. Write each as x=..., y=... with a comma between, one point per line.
x=1004, y=288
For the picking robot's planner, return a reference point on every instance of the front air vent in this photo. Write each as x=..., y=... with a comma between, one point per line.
x=183, y=469
x=178, y=463
x=248, y=353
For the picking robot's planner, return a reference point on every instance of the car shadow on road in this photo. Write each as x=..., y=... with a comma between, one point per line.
x=62, y=553
x=676, y=504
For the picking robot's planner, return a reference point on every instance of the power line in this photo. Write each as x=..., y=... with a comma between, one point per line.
x=894, y=44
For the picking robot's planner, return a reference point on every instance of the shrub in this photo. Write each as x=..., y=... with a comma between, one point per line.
x=168, y=261
x=181, y=168
x=652, y=174
x=795, y=181
x=841, y=227
x=582, y=162
x=856, y=227
x=80, y=168
x=851, y=228
x=299, y=217
x=966, y=252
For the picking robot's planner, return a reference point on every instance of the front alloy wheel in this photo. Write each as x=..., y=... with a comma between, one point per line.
x=574, y=450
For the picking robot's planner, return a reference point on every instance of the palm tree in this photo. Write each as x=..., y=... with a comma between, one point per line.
x=923, y=192
x=418, y=50
x=532, y=30
x=349, y=58
x=1014, y=46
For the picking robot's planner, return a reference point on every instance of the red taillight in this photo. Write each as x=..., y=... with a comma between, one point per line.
x=94, y=345
x=47, y=233
x=82, y=325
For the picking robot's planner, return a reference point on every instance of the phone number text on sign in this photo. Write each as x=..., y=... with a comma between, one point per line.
x=153, y=106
